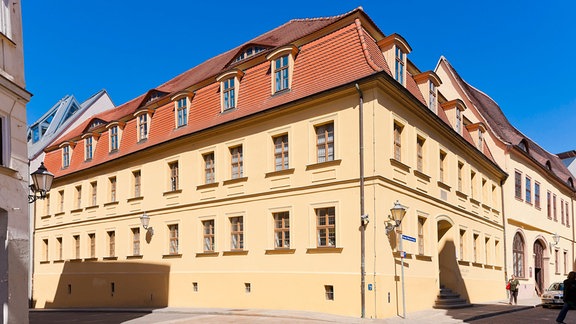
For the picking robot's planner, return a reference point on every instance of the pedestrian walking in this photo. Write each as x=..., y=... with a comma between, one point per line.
x=569, y=297
x=514, y=285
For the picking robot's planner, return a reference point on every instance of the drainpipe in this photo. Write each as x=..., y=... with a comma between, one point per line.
x=573, y=228
x=504, y=230
x=363, y=217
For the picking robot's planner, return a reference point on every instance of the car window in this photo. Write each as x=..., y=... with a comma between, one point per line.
x=556, y=286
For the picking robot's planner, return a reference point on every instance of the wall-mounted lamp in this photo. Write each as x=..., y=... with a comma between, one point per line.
x=41, y=183
x=145, y=220
x=365, y=219
x=556, y=239
x=395, y=218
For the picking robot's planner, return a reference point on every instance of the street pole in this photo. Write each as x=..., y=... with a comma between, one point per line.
x=402, y=271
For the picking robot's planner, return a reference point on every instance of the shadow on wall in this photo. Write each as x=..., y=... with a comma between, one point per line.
x=449, y=270
x=111, y=284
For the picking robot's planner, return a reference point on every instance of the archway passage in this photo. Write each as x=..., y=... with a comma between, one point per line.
x=539, y=267
x=447, y=262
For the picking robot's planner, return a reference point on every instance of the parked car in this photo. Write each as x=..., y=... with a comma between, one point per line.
x=553, y=295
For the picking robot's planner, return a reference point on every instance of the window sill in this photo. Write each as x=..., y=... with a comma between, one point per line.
x=207, y=185
x=497, y=268
x=142, y=141
x=92, y=207
x=486, y=207
x=239, y=252
x=444, y=186
x=207, y=254
x=461, y=194
x=422, y=257
x=232, y=181
x=477, y=265
x=396, y=254
x=59, y=214
x=7, y=171
x=172, y=256
x=45, y=216
x=90, y=259
x=280, y=92
x=172, y=192
x=474, y=201
x=519, y=199
x=463, y=263
x=129, y=257
x=281, y=251
x=320, y=250
x=400, y=165
x=110, y=203
x=110, y=258
x=114, y=151
x=75, y=260
x=422, y=175
x=58, y=261
x=77, y=210
x=279, y=173
x=321, y=165
x=134, y=199
x=227, y=111
x=487, y=266
x=44, y=262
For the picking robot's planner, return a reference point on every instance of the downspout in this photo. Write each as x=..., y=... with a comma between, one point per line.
x=573, y=228
x=363, y=218
x=504, y=231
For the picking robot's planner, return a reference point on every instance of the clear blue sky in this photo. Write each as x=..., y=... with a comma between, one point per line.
x=520, y=53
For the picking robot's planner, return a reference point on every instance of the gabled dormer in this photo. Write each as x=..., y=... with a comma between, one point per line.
x=454, y=109
x=477, y=131
x=152, y=96
x=182, y=101
x=115, y=130
x=428, y=83
x=229, y=89
x=523, y=145
x=143, y=123
x=66, y=149
x=395, y=50
x=247, y=52
x=282, y=67
x=90, y=141
x=94, y=123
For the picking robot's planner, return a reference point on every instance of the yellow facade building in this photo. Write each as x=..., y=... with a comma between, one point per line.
x=267, y=175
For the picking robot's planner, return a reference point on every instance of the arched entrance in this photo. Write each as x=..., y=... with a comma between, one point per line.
x=447, y=263
x=539, y=266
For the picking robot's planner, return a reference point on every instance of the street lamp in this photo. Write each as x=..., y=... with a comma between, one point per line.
x=145, y=220
x=395, y=219
x=556, y=239
x=41, y=183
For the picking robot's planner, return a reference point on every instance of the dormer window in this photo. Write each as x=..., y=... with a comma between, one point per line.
x=114, y=138
x=548, y=165
x=282, y=67
x=250, y=51
x=88, y=147
x=182, y=112
x=523, y=145
x=477, y=132
x=480, y=139
x=66, y=156
x=458, y=125
x=143, y=118
x=229, y=86
x=114, y=135
x=428, y=83
x=453, y=110
x=395, y=49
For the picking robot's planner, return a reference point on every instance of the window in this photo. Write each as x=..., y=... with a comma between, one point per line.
x=460, y=171
x=398, y=141
x=208, y=235
x=88, y=146
x=281, y=73
x=475, y=247
x=329, y=292
x=228, y=94
x=113, y=138
x=528, y=191
x=432, y=96
x=326, y=227
x=554, y=208
x=65, y=156
x=442, y=166
x=325, y=142
x=5, y=24
x=182, y=112
x=399, y=76
x=537, y=195
x=47, y=204
x=94, y=186
x=282, y=230
x=173, y=247
x=565, y=262
x=61, y=196
x=137, y=183
x=487, y=250
x=462, y=243
x=209, y=172
x=420, y=154
x=237, y=162
x=480, y=140
x=111, y=243
x=136, y=241
x=281, y=152
x=78, y=196
x=4, y=137
x=247, y=287
x=567, y=215
x=518, y=256
x=195, y=286
x=562, y=211
x=237, y=233
x=473, y=184
x=556, y=262
x=549, y=204
x=45, y=250
x=174, y=185
x=76, y=239
x=112, y=189
x=143, y=127
x=250, y=51
x=421, y=232
x=92, y=240
x=518, y=185
x=59, y=248
x=458, y=121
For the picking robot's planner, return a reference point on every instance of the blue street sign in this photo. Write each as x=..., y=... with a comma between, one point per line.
x=408, y=238
x=369, y=286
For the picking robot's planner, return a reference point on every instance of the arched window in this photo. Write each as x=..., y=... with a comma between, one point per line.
x=518, y=256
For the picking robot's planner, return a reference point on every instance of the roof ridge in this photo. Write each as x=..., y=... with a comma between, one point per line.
x=359, y=8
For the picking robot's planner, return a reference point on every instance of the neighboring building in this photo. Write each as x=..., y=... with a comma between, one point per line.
x=538, y=196
x=14, y=222
x=249, y=168
x=569, y=159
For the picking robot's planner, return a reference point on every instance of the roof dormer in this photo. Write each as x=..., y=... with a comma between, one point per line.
x=229, y=89
x=453, y=110
x=282, y=67
x=428, y=83
x=395, y=49
x=523, y=145
x=477, y=131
